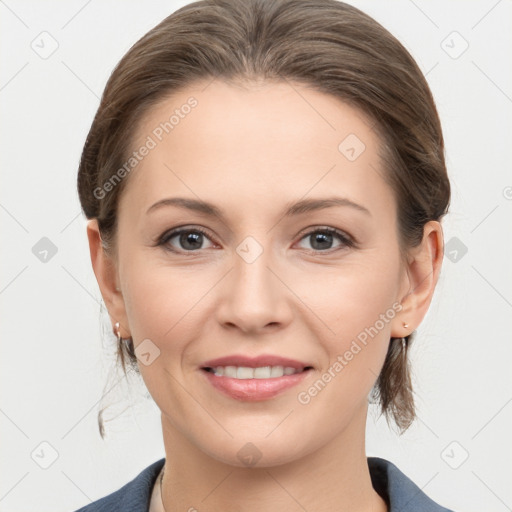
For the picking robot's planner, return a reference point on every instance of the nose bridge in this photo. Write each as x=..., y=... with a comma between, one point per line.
x=254, y=296
x=252, y=279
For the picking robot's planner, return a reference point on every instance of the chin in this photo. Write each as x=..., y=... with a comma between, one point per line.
x=260, y=452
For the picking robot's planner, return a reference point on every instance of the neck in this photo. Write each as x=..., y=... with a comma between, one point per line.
x=333, y=478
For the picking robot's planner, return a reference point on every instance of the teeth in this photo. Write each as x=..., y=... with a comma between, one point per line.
x=229, y=371
x=262, y=372
x=242, y=372
x=276, y=371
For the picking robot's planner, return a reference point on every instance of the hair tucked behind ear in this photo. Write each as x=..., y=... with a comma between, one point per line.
x=326, y=44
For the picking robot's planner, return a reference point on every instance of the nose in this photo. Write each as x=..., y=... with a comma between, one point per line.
x=254, y=298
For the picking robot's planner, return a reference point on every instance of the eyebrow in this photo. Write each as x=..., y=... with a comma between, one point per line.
x=297, y=208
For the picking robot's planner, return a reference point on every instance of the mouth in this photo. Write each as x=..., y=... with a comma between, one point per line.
x=260, y=372
x=254, y=379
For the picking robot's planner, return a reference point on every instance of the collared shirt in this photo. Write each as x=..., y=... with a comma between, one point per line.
x=399, y=492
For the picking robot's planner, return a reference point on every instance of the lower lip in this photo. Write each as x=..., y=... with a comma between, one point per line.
x=254, y=389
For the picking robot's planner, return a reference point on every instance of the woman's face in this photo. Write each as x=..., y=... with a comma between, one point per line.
x=265, y=280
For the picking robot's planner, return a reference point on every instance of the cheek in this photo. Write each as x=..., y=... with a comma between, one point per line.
x=162, y=306
x=357, y=303
x=160, y=298
x=350, y=296
x=359, y=310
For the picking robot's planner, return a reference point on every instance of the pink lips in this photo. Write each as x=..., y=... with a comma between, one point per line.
x=254, y=389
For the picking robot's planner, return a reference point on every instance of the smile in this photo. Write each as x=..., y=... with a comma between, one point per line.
x=254, y=384
x=261, y=372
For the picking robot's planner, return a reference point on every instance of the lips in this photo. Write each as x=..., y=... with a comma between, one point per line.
x=254, y=378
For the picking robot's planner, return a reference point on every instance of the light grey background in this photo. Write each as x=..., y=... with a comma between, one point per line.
x=55, y=361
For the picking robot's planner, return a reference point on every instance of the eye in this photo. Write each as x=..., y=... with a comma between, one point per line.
x=192, y=239
x=322, y=239
x=189, y=239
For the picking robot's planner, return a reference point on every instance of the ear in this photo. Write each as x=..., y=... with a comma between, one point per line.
x=105, y=270
x=419, y=280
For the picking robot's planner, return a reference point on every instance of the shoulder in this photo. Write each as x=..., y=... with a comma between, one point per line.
x=132, y=497
x=400, y=492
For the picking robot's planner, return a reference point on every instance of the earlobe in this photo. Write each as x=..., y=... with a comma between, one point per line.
x=421, y=276
x=106, y=275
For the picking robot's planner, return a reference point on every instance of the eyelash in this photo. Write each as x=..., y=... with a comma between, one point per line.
x=344, y=239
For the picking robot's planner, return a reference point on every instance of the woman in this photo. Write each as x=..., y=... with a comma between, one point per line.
x=264, y=183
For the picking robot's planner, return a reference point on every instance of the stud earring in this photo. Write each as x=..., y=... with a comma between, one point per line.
x=405, y=325
x=117, y=331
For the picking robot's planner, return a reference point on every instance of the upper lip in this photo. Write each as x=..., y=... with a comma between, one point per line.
x=255, y=362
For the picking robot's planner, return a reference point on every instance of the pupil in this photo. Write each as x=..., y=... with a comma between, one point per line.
x=321, y=237
x=195, y=238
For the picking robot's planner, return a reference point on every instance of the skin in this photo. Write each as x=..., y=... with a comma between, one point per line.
x=252, y=151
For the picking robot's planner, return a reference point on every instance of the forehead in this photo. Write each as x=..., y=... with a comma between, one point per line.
x=281, y=140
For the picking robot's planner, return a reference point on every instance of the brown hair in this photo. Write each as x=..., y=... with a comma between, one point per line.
x=325, y=44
